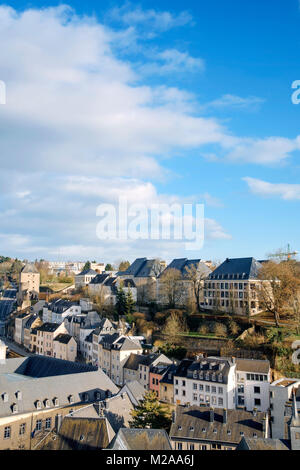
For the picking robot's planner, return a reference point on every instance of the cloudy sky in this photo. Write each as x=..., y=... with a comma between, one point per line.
x=157, y=101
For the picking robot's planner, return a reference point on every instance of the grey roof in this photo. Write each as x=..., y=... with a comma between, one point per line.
x=142, y=267
x=63, y=338
x=237, y=268
x=250, y=443
x=48, y=327
x=30, y=268
x=184, y=264
x=135, y=390
x=133, y=361
x=141, y=439
x=116, y=410
x=194, y=423
x=30, y=320
x=99, y=279
x=210, y=369
x=82, y=433
x=60, y=305
x=105, y=326
x=253, y=365
x=87, y=272
x=37, y=385
x=168, y=376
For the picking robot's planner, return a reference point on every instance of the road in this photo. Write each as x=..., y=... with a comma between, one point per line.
x=16, y=348
x=6, y=306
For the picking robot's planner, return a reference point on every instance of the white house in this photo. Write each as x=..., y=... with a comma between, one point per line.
x=84, y=278
x=58, y=310
x=253, y=378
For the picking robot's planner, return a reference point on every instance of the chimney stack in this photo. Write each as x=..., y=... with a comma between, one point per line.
x=225, y=416
x=173, y=416
x=211, y=415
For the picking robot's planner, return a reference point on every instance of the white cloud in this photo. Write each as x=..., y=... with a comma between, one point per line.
x=272, y=150
x=157, y=21
x=283, y=190
x=234, y=101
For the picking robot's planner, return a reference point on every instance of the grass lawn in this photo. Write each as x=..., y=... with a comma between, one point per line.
x=56, y=286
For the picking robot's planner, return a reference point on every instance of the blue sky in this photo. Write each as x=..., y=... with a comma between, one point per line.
x=158, y=101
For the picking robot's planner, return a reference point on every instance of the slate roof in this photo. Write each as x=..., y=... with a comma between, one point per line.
x=133, y=361
x=135, y=390
x=29, y=268
x=142, y=267
x=87, y=272
x=194, y=423
x=60, y=305
x=99, y=279
x=169, y=374
x=42, y=366
x=210, y=369
x=250, y=443
x=48, y=327
x=253, y=365
x=63, y=338
x=79, y=434
x=181, y=369
x=237, y=268
x=30, y=320
x=141, y=439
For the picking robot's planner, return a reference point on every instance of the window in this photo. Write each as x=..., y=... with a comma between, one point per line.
x=179, y=446
x=22, y=429
x=256, y=389
x=257, y=401
x=183, y=393
x=71, y=399
x=7, y=432
x=194, y=386
x=48, y=423
x=183, y=383
x=220, y=401
x=38, y=425
x=38, y=404
x=55, y=401
x=220, y=390
x=192, y=447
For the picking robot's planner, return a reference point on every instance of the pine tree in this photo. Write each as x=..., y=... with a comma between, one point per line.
x=130, y=303
x=87, y=266
x=121, y=301
x=149, y=414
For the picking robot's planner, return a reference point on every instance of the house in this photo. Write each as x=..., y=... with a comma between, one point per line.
x=281, y=404
x=74, y=324
x=233, y=287
x=253, y=378
x=144, y=273
x=156, y=373
x=84, y=278
x=166, y=385
x=141, y=439
x=87, y=347
x=64, y=347
x=113, y=351
x=205, y=428
x=37, y=392
x=29, y=285
x=106, y=287
x=20, y=322
x=186, y=269
x=149, y=361
x=105, y=327
x=33, y=321
x=91, y=321
x=45, y=337
x=209, y=381
x=58, y=310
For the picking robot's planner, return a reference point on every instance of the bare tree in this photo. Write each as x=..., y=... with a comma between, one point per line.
x=174, y=327
x=196, y=278
x=171, y=287
x=278, y=287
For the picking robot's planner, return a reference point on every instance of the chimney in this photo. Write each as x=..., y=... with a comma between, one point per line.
x=225, y=416
x=211, y=415
x=265, y=427
x=173, y=416
x=254, y=411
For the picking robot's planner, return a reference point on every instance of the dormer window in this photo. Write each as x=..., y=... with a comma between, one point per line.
x=191, y=428
x=5, y=397
x=228, y=432
x=47, y=403
x=14, y=408
x=19, y=395
x=38, y=404
x=220, y=377
x=85, y=397
x=98, y=395
x=203, y=429
x=179, y=428
x=71, y=399
x=55, y=401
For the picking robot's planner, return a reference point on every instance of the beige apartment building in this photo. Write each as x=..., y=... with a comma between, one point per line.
x=45, y=337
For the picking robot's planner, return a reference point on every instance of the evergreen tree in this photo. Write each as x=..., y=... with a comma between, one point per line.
x=130, y=303
x=109, y=267
x=87, y=266
x=121, y=301
x=150, y=414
